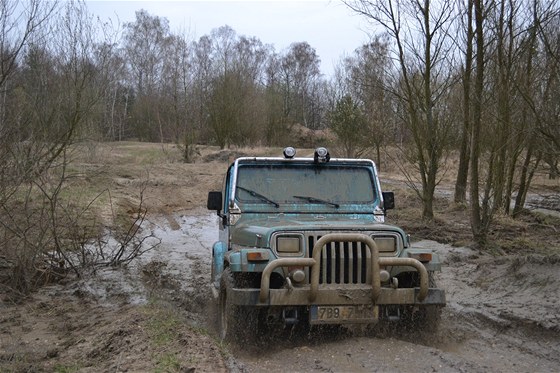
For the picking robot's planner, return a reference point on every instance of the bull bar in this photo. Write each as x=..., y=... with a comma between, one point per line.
x=343, y=295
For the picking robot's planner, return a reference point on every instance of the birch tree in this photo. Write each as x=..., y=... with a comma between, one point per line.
x=422, y=51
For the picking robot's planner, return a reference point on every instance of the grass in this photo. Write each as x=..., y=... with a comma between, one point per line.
x=164, y=327
x=162, y=324
x=142, y=153
x=168, y=362
x=167, y=332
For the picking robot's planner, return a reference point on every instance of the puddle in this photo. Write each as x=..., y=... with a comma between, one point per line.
x=179, y=263
x=180, y=248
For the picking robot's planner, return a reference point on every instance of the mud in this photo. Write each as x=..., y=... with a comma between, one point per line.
x=502, y=315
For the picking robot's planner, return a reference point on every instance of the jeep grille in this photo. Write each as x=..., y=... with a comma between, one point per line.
x=346, y=262
x=343, y=262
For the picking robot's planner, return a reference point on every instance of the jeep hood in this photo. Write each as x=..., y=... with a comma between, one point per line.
x=257, y=232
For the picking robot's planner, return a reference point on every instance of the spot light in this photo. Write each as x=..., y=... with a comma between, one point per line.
x=321, y=155
x=289, y=152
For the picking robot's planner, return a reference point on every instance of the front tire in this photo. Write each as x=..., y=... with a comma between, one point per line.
x=240, y=324
x=427, y=318
x=226, y=310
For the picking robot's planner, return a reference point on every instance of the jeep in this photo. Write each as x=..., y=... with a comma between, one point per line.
x=305, y=240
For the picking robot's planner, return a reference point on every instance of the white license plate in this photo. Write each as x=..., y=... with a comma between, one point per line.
x=343, y=314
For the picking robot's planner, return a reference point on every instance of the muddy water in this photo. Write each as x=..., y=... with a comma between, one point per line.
x=185, y=248
x=179, y=266
x=176, y=263
x=501, y=316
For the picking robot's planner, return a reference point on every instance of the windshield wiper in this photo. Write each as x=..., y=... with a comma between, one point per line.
x=259, y=196
x=318, y=200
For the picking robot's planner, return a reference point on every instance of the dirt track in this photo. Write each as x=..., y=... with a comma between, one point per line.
x=500, y=317
x=502, y=313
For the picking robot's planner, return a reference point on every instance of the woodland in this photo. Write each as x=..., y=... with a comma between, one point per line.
x=475, y=79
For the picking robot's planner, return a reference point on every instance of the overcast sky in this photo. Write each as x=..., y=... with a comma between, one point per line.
x=328, y=26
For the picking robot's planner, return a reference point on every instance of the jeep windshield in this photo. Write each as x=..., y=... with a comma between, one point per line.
x=293, y=185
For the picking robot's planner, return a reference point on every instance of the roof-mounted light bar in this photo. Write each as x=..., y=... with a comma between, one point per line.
x=320, y=155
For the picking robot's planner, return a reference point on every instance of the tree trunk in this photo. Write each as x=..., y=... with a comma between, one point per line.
x=525, y=178
x=464, y=153
x=477, y=227
x=378, y=155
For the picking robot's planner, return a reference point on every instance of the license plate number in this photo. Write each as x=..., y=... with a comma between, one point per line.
x=343, y=314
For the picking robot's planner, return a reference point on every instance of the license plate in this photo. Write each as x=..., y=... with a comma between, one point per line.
x=343, y=314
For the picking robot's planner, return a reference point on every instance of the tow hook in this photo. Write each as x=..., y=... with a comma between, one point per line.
x=289, y=284
x=393, y=313
x=290, y=316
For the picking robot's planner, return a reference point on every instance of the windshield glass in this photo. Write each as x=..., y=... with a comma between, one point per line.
x=304, y=184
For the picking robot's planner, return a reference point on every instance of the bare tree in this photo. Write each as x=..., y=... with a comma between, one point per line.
x=367, y=81
x=145, y=42
x=202, y=66
x=419, y=31
x=480, y=216
x=235, y=106
x=57, y=90
x=19, y=25
x=19, y=22
x=276, y=125
x=300, y=76
x=510, y=98
x=177, y=87
x=539, y=84
x=464, y=147
x=348, y=122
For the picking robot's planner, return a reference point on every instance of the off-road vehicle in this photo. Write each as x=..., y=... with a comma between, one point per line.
x=305, y=240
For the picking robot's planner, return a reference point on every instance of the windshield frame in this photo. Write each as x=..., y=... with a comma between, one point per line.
x=303, y=207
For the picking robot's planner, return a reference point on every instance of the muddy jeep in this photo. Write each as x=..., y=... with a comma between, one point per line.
x=305, y=240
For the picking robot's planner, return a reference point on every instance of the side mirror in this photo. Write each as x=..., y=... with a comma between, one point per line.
x=388, y=201
x=214, y=201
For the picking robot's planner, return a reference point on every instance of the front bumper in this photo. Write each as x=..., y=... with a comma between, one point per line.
x=341, y=294
x=337, y=295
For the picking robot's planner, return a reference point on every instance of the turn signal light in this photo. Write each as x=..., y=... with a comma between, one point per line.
x=422, y=257
x=257, y=256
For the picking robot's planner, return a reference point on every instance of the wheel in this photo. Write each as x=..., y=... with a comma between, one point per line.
x=421, y=318
x=426, y=318
x=240, y=324
x=226, y=310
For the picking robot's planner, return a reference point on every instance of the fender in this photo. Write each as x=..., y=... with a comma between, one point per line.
x=218, y=253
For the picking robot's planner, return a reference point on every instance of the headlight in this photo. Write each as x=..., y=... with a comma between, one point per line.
x=288, y=244
x=385, y=244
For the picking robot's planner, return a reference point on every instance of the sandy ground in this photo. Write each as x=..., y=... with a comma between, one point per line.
x=158, y=314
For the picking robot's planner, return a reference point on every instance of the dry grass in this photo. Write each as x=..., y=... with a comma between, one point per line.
x=171, y=185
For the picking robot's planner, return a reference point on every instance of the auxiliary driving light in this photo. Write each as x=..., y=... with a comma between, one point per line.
x=321, y=155
x=289, y=152
x=298, y=275
x=384, y=276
